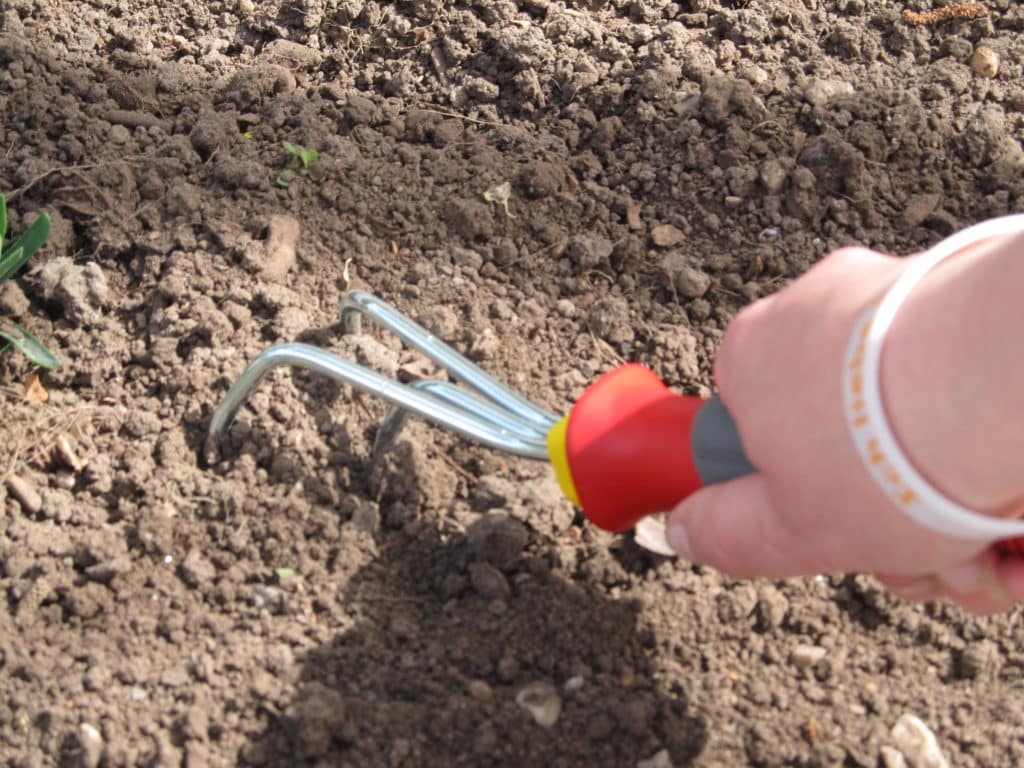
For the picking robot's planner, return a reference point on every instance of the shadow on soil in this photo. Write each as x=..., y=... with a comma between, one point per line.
x=430, y=672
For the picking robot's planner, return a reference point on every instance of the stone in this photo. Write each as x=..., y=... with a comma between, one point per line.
x=917, y=743
x=282, y=241
x=985, y=62
x=689, y=282
x=806, y=656
x=542, y=701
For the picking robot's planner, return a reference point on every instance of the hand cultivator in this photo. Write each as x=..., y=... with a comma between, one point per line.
x=629, y=447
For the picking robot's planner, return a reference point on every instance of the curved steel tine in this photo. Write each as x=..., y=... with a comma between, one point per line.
x=420, y=338
x=427, y=406
x=393, y=422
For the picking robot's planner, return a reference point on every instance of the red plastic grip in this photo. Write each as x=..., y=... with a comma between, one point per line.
x=628, y=448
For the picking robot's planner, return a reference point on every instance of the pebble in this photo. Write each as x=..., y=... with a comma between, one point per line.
x=979, y=659
x=195, y=569
x=690, y=282
x=574, y=683
x=665, y=236
x=292, y=54
x=737, y=603
x=806, y=656
x=542, y=701
x=90, y=746
x=985, y=62
x=917, y=743
x=282, y=239
x=660, y=759
x=772, y=607
x=118, y=134
x=29, y=498
x=481, y=691
x=174, y=678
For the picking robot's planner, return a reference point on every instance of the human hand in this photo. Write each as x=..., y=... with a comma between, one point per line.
x=813, y=507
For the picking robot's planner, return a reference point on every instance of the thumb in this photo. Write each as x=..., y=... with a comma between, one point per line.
x=734, y=528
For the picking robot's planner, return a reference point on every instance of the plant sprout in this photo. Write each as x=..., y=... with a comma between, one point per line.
x=12, y=258
x=300, y=161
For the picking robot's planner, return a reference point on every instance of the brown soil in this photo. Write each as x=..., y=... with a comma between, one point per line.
x=145, y=618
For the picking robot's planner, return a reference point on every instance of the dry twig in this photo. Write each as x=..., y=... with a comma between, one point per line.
x=958, y=11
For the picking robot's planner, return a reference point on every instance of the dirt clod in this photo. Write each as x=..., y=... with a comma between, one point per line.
x=497, y=538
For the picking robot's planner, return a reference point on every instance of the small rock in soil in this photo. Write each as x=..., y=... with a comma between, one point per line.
x=985, y=62
x=497, y=539
x=81, y=290
x=772, y=607
x=542, y=701
x=609, y=319
x=195, y=569
x=291, y=54
x=666, y=236
x=282, y=239
x=979, y=659
x=917, y=743
x=488, y=581
x=481, y=691
x=590, y=251
x=689, y=282
x=660, y=759
x=87, y=749
x=29, y=498
x=737, y=603
x=806, y=656
x=919, y=208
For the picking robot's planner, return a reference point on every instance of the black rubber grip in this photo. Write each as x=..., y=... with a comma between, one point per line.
x=717, y=450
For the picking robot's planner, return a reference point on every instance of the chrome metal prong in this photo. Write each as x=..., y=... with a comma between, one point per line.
x=426, y=405
x=461, y=368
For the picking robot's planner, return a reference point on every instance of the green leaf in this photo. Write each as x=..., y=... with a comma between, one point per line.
x=28, y=345
x=308, y=157
x=284, y=573
x=29, y=242
x=3, y=221
x=290, y=148
x=285, y=178
x=11, y=262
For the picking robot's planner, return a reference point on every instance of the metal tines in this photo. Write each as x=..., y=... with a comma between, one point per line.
x=492, y=414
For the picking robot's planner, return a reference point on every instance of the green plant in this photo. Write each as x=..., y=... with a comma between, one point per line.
x=12, y=258
x=300, y=160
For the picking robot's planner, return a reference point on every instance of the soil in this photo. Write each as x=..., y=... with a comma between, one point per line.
x=285, y=598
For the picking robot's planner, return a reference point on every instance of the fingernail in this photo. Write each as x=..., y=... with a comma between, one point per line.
x=678, y=539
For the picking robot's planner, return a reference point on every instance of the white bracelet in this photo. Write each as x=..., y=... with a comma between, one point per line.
x=866, y=415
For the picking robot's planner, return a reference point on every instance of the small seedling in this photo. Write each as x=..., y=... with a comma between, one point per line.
x=12, y=258
x=300, y=160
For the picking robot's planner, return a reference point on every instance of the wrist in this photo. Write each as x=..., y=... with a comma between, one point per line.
x=952, y=381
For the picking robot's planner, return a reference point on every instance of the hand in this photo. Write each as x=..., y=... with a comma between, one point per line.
x=813, y=508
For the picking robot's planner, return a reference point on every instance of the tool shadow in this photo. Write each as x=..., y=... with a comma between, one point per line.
x=429, y=671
